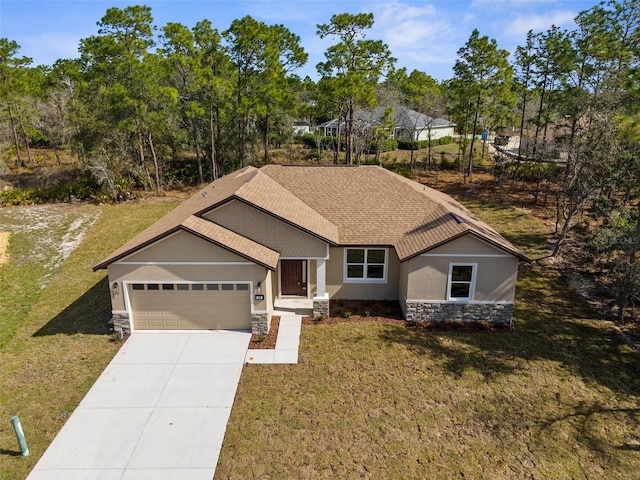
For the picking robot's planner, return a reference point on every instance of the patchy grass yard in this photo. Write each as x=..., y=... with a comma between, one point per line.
x=557, y=398
x=54, y=340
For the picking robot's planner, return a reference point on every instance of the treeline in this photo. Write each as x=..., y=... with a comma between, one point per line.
x=134, y=101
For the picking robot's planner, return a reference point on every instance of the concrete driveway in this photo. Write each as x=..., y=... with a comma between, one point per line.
x=158, y=411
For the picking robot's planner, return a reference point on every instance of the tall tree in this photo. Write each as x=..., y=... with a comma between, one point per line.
x=263, y=56
x=124, y=80
x=355, y=64
x=13, y=87
x=481, y=87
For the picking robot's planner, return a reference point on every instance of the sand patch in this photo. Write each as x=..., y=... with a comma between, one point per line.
x=4, y=242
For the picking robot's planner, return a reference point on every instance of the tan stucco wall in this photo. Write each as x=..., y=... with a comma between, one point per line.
x=361, y=291
x=184, y=247
x=188, y=273
x=268, y=231
x=495, y=277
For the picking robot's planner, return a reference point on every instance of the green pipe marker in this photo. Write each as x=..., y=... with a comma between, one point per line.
x=20, y=435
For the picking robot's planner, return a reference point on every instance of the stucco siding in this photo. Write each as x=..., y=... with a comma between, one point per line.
x=362, y=291
x=495, y=278
x=187, y=273
x=266, y=230
x=184, y=247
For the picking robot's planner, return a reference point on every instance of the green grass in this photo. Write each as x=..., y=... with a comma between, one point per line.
x=557, y=398
x=56, y=341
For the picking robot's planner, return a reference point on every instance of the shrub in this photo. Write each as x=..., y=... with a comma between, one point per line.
x=347, y=314
x=338, y=312
x=386, y=146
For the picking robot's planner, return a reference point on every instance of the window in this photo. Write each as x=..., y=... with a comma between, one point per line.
x=138, y=286
x=242, y=286
x=365, y=265
x=153, y=286
x=227, y=286
x=197, y=287
x=167, y=286
x=183, y=286
x=462, y=280
x=212, y=286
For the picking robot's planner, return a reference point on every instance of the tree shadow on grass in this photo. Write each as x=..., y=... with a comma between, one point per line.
x=552, y=323
x=88, y=314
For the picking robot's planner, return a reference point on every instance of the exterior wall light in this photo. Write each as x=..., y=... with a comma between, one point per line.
x=115, y=289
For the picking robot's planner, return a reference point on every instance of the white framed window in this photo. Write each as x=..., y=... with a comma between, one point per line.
x=365, y=265
x=461, y=283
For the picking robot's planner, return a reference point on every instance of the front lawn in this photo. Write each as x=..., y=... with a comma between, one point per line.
x=54, y=339
x=556, y=398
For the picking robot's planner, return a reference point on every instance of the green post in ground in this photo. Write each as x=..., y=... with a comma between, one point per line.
x=20, y=435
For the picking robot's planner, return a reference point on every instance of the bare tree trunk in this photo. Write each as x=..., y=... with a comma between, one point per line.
x=156, y=165
x=265, y=139
x=15, y=137
x=473, y=139
x=26, y=140
x=212, y=132
x=196, y=141
x=349, y=134
x=336, y=155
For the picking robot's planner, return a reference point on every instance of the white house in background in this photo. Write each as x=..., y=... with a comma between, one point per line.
x=407, y=124
x=300, y=128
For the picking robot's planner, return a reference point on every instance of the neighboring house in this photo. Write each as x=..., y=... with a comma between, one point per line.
x=407, y=124
x=300, y=128
x=223, y=258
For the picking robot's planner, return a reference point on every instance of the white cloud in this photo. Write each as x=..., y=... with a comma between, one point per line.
x=394, y=11
x=523, y=24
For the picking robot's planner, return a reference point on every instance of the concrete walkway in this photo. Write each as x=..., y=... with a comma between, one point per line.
x=287, y=343
x=158, y=411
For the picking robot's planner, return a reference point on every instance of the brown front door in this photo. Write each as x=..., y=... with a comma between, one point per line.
x=292, y=277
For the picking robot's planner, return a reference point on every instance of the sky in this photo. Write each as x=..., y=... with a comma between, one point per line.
x=422, y=35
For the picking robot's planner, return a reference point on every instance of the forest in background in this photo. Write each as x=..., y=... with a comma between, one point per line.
x=150, y=108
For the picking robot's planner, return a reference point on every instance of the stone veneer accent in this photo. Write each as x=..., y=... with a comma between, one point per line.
x=121, y=322
x=320, y=307
x=260, y=323
x=466, y=312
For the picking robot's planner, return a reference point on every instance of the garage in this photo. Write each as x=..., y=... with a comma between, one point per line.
x=190, y=306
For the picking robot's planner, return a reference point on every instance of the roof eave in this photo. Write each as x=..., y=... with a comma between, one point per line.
x=226, y=247
x=514, y=252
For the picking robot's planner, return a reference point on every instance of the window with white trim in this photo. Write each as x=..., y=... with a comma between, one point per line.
x=365, y=265
x=462, y=281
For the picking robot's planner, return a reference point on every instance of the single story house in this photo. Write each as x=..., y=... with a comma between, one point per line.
x=407, y=124
x=225, y=256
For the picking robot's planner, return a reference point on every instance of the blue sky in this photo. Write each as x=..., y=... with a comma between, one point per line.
x=424, y=35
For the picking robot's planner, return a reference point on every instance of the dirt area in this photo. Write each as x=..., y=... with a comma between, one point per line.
x=57, y=229
x=4, y=242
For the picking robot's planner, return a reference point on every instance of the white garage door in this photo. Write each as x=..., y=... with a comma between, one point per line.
x=190, y=306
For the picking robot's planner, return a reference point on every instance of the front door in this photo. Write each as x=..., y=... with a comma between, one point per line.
x=292, y=277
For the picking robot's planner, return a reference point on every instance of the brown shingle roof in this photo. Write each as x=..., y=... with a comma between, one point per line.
x=238, y=244
x=359, y=205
